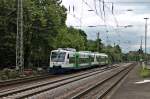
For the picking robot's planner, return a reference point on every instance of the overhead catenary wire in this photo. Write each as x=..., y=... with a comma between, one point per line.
x=85, y=2
x=71, y=10
x=102, y=5
x=100, y=9
x=95, y=6
x=129, y=2
x=112, y=11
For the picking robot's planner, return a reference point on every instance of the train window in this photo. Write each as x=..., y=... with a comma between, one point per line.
x=68, y=56
x=58, y=56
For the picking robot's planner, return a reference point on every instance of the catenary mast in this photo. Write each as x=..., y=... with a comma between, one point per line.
x=19, y=38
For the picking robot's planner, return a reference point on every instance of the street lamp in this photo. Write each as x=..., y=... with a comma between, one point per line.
x=128, y=26
x=90, y=10
x=146, y=39
x=129, y=10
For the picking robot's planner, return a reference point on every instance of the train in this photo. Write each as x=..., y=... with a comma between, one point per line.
x=70, y=59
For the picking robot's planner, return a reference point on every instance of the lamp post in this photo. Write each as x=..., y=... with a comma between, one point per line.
x=146, y=39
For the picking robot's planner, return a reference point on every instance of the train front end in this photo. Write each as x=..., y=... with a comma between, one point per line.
x=59, y=61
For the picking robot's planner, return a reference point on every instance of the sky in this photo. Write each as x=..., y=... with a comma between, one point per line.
x=118, y=21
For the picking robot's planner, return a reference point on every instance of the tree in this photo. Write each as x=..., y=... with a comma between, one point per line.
x=92, y=45
x=72, y=38
x=7, y=32
x=44, y=28
x=46, y=19
x=115, y=53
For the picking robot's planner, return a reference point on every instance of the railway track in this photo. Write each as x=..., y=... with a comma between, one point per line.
x=74, y=89
x=100, y=89
x=23, y=80
x=28, y=91
x=6, y=85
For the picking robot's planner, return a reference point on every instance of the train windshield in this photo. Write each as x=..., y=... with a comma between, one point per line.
x=58, y=56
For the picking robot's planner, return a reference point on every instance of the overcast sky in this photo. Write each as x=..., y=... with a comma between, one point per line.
x=111, y=26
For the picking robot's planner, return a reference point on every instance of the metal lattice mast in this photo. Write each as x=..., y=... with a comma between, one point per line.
x=19, y=38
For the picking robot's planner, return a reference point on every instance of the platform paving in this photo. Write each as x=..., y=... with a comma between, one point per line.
x=133, y=87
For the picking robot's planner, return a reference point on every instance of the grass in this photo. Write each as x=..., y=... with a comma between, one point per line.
x=144, y=72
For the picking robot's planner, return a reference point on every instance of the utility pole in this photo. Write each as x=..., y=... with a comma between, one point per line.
x=98, y=42
x=107, y=38
x=141, y=52
x=141, y=49
x=19, y=38
x=146, y=39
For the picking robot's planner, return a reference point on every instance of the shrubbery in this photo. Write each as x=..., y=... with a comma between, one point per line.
x=8, y=74
x=144, y=72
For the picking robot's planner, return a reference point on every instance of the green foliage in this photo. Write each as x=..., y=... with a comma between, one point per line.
x=13, y=74
x=46, y=19
x=44, y=29
x=144, y=72
x=134, y=56
x=4, y=77
x=115, y=53
x=7, y=31
x=70, y=38
x=93, y=45
x=8, y=74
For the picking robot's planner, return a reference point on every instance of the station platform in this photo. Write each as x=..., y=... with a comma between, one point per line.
x=133, y=87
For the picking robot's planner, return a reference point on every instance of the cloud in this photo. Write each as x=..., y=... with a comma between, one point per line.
x=129, y=38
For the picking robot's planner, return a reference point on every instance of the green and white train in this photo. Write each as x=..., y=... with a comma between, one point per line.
x=70, y=59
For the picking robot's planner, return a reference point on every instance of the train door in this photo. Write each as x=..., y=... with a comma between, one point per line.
x=67, y=58
x=77, y=60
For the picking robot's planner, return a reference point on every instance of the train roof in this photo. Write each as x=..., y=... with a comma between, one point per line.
x=61, y=51
x=85, y=51
x=64, y=50
x=103, y=54
x=80, y=52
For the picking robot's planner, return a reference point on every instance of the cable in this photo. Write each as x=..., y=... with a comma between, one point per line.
x=130, y=2
x=95, y=6
x=100, y=9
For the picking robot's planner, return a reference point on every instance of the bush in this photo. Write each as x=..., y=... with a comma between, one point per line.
x=6, y=71
x=8, y=74
x=13, y=74
x=4, y=77
x=145, y=72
